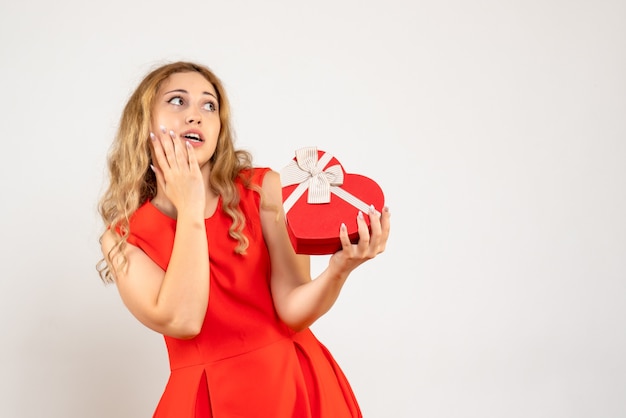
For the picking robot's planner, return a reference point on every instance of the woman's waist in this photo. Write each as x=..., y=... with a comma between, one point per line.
x=218, y=343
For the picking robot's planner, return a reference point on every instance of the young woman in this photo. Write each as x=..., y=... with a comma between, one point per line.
x=196, y=243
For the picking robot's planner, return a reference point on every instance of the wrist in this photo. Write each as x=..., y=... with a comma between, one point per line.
x=192, y=217
x=336, y=274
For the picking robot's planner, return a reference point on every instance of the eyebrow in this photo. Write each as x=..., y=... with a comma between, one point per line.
x=186, y=92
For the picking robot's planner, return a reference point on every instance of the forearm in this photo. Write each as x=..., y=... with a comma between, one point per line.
x=307, y=302
x=183, y=296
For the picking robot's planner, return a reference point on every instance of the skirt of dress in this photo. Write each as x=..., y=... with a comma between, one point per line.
x=291, y=378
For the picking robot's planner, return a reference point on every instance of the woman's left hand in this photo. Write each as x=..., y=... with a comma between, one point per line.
x=370, y=244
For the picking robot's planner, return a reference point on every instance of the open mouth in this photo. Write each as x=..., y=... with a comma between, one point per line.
x=193, y=137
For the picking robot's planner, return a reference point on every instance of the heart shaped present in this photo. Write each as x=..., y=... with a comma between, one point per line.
x=318, y=196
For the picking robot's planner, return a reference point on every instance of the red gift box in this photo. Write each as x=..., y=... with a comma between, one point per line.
x=318, y=196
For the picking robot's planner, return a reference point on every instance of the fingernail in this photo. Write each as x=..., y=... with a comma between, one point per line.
x=172, y=134
x=343, y=227
x=373, y=211
x=152, y=136
x=187, y=144
x=163, y=129
x=152, y=167
x=360, y=215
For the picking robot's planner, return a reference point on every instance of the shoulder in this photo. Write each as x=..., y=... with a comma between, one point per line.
x=271, y=181
x=117, y=256
x=153, y=232
x=138, y=224
x=148, y=219
x=140, y=215
x=253, y=176
x=261, y=187
x=262, y=180
x=252, y=184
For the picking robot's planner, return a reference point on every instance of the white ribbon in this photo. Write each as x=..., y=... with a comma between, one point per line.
x=309, y=174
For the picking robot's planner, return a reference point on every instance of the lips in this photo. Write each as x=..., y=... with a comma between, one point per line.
x=193, y=136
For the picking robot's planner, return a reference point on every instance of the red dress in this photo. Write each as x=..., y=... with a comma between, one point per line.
x=245, y=363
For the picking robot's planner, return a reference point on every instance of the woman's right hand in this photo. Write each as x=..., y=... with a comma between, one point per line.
x=178, y=173
x=174, y=301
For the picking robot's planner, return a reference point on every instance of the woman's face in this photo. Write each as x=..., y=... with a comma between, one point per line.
x=187, y=104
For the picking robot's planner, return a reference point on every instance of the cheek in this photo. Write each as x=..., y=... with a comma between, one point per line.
x=218, y=129
x=154, y=123
x=161, y=119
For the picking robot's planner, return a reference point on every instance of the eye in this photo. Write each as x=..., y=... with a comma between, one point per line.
x=210, y=106
x=176, y=100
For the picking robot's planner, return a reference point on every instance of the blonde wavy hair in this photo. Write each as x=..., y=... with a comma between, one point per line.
x=132, y=182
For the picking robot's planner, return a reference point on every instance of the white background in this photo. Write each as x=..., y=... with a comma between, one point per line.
x=497, y=130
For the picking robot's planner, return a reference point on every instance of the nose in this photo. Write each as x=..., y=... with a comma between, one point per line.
x=194, y=117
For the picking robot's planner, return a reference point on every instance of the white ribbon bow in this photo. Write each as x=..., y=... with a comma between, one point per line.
x=309, y=174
